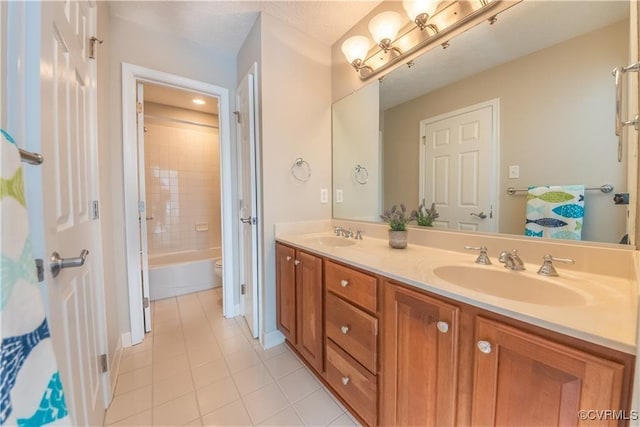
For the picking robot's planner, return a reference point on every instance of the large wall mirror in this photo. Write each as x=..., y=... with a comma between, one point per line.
x=535, y=87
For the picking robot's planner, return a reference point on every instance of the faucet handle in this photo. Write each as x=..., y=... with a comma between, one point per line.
x=483, y=258
x=337, y=230
x=359, y=234
x=547, y=268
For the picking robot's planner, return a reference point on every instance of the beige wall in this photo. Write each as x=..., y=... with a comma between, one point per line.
x=130, y=43
x=555, y=123
x=182, y=180
x=296, y=122
x=356, y=142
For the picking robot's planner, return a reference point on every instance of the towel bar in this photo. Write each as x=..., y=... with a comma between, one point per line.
x=31, y=158
x=605, y=188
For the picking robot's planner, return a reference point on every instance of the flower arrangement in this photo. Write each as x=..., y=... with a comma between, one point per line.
x=398, y=218
x=425, y=217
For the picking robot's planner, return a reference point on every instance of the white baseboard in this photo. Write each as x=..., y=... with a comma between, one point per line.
x=114, y=367
x=125, y=339
x=272, y=339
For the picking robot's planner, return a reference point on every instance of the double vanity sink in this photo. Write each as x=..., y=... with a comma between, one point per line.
x=596, y=308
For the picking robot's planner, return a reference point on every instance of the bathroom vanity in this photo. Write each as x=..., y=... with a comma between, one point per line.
x=400, y=345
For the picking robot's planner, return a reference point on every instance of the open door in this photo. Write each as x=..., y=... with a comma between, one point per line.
x=142, y=208
x=248, y=203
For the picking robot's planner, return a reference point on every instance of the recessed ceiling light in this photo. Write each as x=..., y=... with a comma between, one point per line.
x=199, y=101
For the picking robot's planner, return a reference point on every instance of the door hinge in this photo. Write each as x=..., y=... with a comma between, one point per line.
x=139, y=107
x=242, y=289
x=92, y=46
x=95, y=209
x=103, y=363
x=145, y=302
x=237, y=113
x=40, y=269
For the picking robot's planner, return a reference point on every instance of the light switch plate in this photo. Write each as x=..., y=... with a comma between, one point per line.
x=514, y=171
x=338, y=196
x=324, y=195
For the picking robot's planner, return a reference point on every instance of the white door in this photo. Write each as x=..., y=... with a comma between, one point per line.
x=68, y=90
x=142, y=210
x=247, y=195
x=456, y=167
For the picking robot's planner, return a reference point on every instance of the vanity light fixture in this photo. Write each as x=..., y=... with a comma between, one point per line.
x=393, y=43
x=199, y=101
x=420, y=11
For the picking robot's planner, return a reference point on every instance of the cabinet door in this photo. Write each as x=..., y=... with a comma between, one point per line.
x=522, y=379
x=309, y=308
x=419, y=359
x=286, y=291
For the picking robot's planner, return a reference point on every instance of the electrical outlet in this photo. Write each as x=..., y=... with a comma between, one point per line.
x=324, y=195
x=514, y=171
x=338, y=196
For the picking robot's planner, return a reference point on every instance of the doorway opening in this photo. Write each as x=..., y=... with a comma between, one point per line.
x=185, y=158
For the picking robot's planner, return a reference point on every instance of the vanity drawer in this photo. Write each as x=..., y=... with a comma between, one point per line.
x=352, y=382
x=352, y=285
x=352, y=329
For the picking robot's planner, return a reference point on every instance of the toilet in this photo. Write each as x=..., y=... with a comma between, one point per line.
x=218, y=271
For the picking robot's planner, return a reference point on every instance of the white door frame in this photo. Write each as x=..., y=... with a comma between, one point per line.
x=131, y=74
x=494, y=155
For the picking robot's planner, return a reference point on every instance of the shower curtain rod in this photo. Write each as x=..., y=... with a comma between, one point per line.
x=185, y=122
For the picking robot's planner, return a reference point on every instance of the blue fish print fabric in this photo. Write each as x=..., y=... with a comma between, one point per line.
x=555, y=211
x=31, y=391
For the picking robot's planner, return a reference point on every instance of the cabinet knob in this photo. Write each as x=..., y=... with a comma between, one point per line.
x=345, y=380
x=484, y=346
x=288, y=258
x=345, y=329
x=296, y=262
x=443, y=327
x=344, y=283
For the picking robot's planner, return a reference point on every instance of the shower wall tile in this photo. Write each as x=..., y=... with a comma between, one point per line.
x=182, y=173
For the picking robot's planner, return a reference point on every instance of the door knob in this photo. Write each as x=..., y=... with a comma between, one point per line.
x=442, y=326
x=484, y=346
x=480, y=215
x=57, y=263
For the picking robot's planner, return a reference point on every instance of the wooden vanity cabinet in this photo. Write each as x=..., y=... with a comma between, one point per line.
x=420, y=359
x=299, y=294
x=523, y=379
x=351, y=326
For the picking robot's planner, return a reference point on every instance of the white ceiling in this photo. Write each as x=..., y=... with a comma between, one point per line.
x=524, y=28
x=224, y=25
x=179, y=98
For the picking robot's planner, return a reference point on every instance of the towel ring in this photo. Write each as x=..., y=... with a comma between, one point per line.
x=361, y=174
x=301, y=170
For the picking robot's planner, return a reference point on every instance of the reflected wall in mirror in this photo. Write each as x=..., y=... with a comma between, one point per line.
x=546, y=66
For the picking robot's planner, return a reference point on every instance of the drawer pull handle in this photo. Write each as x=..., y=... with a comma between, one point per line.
x=484, y=346
x=296, y=262
x=345, y=380
x=288, y=258
x=345, y=329
x=443, y=327
x=344, y=283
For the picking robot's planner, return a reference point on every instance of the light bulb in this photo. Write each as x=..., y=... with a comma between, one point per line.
x=355, y=48
x=385, y=26
x=415, y=8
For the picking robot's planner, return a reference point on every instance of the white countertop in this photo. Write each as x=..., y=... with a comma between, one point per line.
x=607, y=316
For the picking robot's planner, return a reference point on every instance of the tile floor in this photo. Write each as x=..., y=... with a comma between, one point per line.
x=199, y=369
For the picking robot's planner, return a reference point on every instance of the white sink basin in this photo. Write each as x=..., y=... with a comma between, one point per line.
x=330, y=241
x=511, y=285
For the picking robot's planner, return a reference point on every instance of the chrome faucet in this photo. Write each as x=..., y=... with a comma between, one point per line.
x=347, y=233
x=338, y=230
x=483, y=258
x=511, y=260
x=547, y=268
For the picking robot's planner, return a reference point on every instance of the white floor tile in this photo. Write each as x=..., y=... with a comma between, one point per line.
x=318, y=408
x=141, y=419
x=288, y=417
x=233, y=414
x=172, y=387
x=216, y=395
x=344, y=420
x=242, y=359
x=264, y=403
x=282, y=364
x=252, y=379
x=128, y=404
x=135, y=361
x=209, y=372
x=164, y=368
x=298, y=384
x=176, y=412
x=133, y=379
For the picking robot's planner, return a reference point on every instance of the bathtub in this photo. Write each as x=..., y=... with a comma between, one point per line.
x=180, y=273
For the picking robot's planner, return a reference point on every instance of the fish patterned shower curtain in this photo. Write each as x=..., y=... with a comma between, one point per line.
x=555, y=211
x=31, y=391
